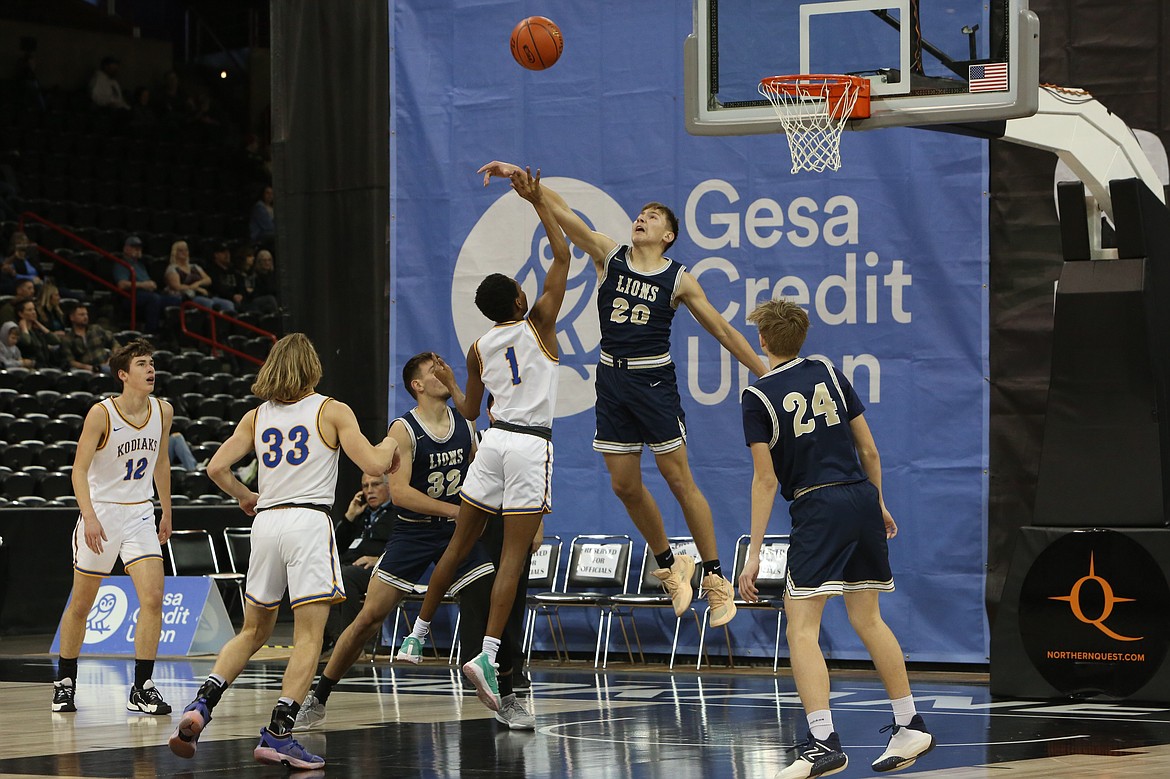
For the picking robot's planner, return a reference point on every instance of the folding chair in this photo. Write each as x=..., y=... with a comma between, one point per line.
x=192, y=553
x=542, y=577
x=769, y=582
x=650, y=595
x=238, y=541
x=400, y=616
x=599, y=567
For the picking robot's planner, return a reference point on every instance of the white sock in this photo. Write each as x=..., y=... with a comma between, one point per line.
x=491, y=646
x=421, y=629
x=904, y=710
x=820, y=723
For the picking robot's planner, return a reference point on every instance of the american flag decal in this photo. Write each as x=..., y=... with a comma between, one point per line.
x=992, y=77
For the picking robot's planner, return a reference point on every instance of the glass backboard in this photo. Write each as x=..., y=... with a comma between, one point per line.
x=928, y=62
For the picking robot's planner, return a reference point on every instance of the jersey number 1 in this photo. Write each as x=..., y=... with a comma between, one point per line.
x=510, y=356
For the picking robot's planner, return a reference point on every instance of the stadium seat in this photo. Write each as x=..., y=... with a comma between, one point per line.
x=73, y=381
x=54, y=485
x=192, y=553
x=53, y=457
x=57, y=429
x=18, y=484
x=77, y=403
x=198, y=483
x=239, y=547
x=75, y=422
x=38, y=380
x=21, y=428
x=30, y=501
x=213, y=407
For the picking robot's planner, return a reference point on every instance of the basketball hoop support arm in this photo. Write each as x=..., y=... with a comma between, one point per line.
x=1094, y=142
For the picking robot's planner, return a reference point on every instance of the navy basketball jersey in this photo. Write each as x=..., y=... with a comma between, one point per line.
x=802, y=410
x=636, y=309
x=438, y=464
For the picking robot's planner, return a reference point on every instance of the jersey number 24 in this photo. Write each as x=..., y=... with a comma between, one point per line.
x=823, y=405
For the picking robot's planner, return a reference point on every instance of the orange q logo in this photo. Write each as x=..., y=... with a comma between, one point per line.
x=1074, y=601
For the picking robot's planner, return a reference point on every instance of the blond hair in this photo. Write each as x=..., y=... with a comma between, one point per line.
x=291, y=371
x=783, y=326
x=175, y=251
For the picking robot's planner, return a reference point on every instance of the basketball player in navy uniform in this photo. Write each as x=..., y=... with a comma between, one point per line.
x=516, y=361
x=639, y=290
x=808, y=437
x=120, y=452
x=296, y=434
x=425, y=491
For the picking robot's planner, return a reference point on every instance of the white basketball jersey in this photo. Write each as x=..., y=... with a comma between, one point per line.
x=122, y=470
x=295, y=463
x=519, y=373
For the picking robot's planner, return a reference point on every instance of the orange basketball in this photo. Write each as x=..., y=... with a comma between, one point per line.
x=537, y=43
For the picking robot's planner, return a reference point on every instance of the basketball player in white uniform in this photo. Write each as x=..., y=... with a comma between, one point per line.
x=122, y=449
x=516, y=361
x=296, y=435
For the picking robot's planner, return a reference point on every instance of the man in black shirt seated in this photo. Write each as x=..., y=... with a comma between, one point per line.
x=361, y=537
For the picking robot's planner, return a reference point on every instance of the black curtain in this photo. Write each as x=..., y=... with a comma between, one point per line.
x=330, y=142
x=1120, y=53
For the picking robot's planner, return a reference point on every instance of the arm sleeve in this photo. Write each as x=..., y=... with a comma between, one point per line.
x=757, y=422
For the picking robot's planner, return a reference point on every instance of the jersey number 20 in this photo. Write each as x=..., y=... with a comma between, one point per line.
x=298, y=449
x=823, y=405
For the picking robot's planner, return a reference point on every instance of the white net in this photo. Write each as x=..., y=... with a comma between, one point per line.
x=813, y=111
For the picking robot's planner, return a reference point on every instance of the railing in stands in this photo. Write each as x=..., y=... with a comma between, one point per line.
x=214, y=341
x=131, y=294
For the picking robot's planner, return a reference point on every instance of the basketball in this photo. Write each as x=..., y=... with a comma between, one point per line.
x=537, y=43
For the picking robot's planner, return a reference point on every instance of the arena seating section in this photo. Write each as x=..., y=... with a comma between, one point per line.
x=99, y=179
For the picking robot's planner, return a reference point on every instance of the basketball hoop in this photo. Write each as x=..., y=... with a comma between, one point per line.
x=813, y=108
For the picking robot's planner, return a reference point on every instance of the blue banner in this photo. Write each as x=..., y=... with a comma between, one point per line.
x=194, y=620
x=888, y=255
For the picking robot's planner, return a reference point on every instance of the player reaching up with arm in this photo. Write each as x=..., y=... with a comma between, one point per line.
x=516, y=361
x=638, y=402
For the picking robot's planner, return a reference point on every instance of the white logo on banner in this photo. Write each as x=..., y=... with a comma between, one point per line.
x=773, y=561
x=508, y=239
x=107, y=614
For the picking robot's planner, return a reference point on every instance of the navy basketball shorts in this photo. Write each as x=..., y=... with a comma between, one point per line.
x=637, y=407
x=415, y=545
x=838, y=542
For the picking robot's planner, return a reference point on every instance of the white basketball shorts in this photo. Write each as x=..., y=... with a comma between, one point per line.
x=293, y=548
x=130, y=534
x=511, y=474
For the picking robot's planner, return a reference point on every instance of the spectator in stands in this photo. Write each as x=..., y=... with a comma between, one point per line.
x=143, y=118
x=148, y=301
x=361, y=537
x=26, y=81
x=19, y=265
x=23, y=291
x=264, y=284
x=10, y=356
x=180, y=452
x=88, y=346
x=36, y=342
x=104, y=89
x=172, y=103
x=49, y=309
x=262, y=226
x=225, y=282
x=244, y=258
x=188, y=280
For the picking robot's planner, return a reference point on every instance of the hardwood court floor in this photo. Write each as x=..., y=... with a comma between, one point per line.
x=417, y=722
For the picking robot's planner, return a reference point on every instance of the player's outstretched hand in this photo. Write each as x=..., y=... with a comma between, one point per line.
x=747, y=580
x=498, y=169
x=442, y=371
x=526, y=185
